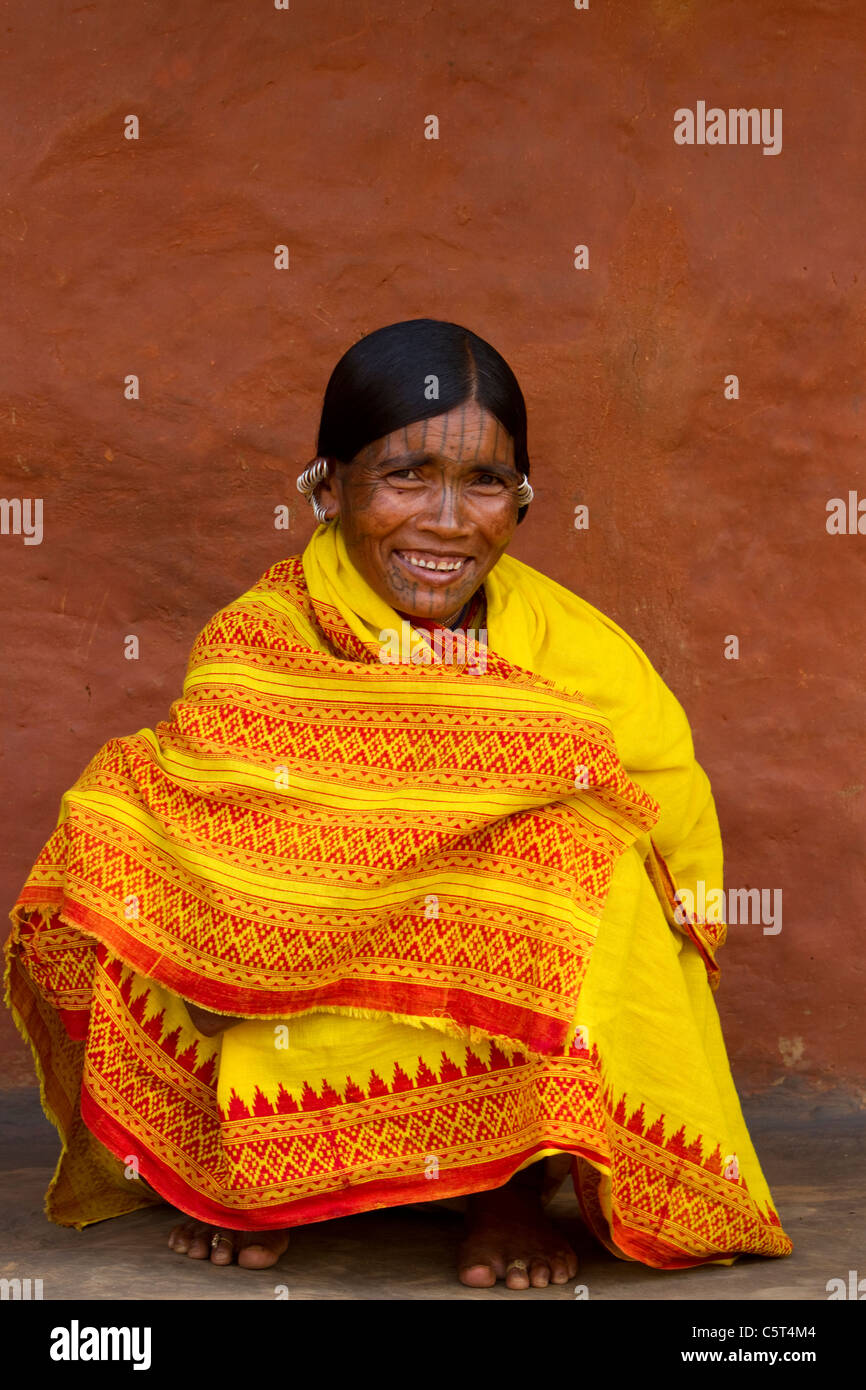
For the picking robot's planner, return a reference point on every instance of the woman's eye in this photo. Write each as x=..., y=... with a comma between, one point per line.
x=411, y=474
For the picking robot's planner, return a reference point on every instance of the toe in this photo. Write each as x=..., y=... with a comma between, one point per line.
x=479, y=1267
x=180, y=1237
x=259, y=1250
x=516, y=1277
x=563, y=1267
x=477, y=1276
x=539, y=1274
x=199, y=1244
x=223, y=1252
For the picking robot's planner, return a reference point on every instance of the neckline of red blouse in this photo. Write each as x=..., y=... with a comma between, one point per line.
x=469, y=611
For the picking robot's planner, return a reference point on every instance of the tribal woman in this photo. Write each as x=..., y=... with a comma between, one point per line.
x=377, y=918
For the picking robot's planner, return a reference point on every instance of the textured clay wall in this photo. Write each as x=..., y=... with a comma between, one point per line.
x=307, y=127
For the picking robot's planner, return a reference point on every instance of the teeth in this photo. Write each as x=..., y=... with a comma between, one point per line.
x=432, y=564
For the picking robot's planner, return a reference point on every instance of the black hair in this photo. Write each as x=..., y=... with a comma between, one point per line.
x=380, y=385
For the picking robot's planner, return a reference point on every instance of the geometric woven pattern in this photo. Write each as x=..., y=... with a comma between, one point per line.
x=259, y=1162
x=426, y=852
x=314, y=827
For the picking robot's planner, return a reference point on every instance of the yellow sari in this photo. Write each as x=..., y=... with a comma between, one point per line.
x=443, y=896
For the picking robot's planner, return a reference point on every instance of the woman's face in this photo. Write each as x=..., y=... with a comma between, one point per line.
x=441, y=492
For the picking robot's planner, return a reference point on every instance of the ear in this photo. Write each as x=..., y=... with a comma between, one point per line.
x=328, y=492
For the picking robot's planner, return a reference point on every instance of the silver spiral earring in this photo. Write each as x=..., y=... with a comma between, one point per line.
x=308, y=481
x=524, y=492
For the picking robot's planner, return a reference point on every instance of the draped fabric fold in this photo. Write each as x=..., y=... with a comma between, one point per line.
x=407, y=876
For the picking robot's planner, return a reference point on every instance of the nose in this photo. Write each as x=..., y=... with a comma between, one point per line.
x=444, y=511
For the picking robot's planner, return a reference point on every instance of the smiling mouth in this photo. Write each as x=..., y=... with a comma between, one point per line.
x=426, y=562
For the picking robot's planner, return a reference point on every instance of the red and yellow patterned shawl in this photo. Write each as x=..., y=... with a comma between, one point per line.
x=317, y=827
x=475, y=863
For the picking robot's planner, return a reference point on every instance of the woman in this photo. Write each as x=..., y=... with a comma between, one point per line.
x=387, y=912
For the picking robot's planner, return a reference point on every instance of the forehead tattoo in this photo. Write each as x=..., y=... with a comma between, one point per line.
x=446, y=436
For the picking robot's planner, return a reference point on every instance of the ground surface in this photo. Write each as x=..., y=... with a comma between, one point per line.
x=811, y=1148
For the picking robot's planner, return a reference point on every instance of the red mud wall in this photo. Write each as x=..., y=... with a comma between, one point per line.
x=707, y=514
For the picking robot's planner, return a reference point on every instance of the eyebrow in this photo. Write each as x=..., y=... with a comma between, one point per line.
x=504, y=470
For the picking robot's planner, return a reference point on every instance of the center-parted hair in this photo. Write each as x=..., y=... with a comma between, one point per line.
x=381, y=384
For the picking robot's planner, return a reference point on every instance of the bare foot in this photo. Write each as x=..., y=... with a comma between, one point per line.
x=509, y=1237
x=254, y=1249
